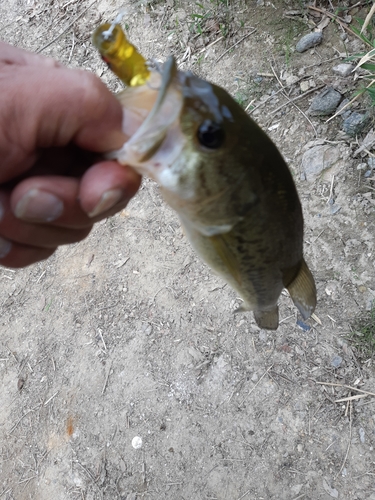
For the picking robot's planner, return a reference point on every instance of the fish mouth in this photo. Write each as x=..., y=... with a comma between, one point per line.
x=151, y=120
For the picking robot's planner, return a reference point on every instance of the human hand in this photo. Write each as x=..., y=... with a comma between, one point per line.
x=54, y=124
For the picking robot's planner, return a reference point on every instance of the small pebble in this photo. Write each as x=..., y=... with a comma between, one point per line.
x=317, y=159
x=336, y=361
x=355, y=123
x=368, y=173
x=334, y=209
x=362, y=435
x=304, y=86
x=371, y=162
x=137, y=442
x=297, y=488
x=303, y=325
x=291, y=79
x=343, y=69
x=369, y=304
x=308, y=41
x=346, y=112
x=263, y=336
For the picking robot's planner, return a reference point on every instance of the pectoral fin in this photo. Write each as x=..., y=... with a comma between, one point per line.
x=267, y=319
x=303, y=292
x=223, y=250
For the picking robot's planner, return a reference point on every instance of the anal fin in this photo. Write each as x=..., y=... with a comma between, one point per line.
x=269, y=320
x=303, y=292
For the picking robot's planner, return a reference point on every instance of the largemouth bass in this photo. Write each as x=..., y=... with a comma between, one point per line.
x=228, y=183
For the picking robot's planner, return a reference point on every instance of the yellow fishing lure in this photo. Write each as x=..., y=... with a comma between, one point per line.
x=121, y=56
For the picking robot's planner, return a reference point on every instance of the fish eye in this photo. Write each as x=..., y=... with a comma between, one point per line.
x=211, y=135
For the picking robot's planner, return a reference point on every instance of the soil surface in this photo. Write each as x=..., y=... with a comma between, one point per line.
x=127, y=334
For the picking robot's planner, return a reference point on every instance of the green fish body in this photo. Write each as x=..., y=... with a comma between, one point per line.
x=227, y=181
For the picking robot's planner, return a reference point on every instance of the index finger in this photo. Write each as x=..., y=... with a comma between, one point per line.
x=44, y=104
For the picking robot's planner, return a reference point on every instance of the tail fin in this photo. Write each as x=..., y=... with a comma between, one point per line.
x=267, y=319
x=303, y=292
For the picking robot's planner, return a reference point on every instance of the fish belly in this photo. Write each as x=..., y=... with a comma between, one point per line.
x=259, y=288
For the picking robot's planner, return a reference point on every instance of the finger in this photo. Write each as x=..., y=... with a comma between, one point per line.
x=37, y=235
x=14, y=56
x=63, y=106
x=16, y=255
x=65, y=202
x=104, y=185
x=50, y=199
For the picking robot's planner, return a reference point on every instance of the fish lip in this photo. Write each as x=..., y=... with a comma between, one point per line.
x=169, y=72
x=151, y=135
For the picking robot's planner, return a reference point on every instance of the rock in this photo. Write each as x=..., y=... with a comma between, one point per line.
x=362, y=435
x=296, y=489
x=137, y=442
x=343, y=69
x=333, y=209
x=355, y=123
x=369, y=303
x=308, y=41
x=346, y=112
x=304, y=86
x=325, y=102
x=291, y=79
x=336, y=361
x=318, y=159
x=331, y=491
x=367, y=143
x=263, y=336
x=303, y=325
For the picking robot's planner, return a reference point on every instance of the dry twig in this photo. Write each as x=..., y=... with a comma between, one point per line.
x=66, y=29
x=291, y=101
x=243, y=496
x=107, y=377
x=295, y=105
x=368, y=18
x=332, y=384
x=351, y=398
x=235, y=45
x=350, y=440
x=335, y=18
x=349, y=103
x=256, y=385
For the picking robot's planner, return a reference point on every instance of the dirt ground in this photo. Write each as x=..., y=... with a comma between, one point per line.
x=128, y=334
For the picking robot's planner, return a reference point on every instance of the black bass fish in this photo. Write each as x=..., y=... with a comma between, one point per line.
x=228, y=183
